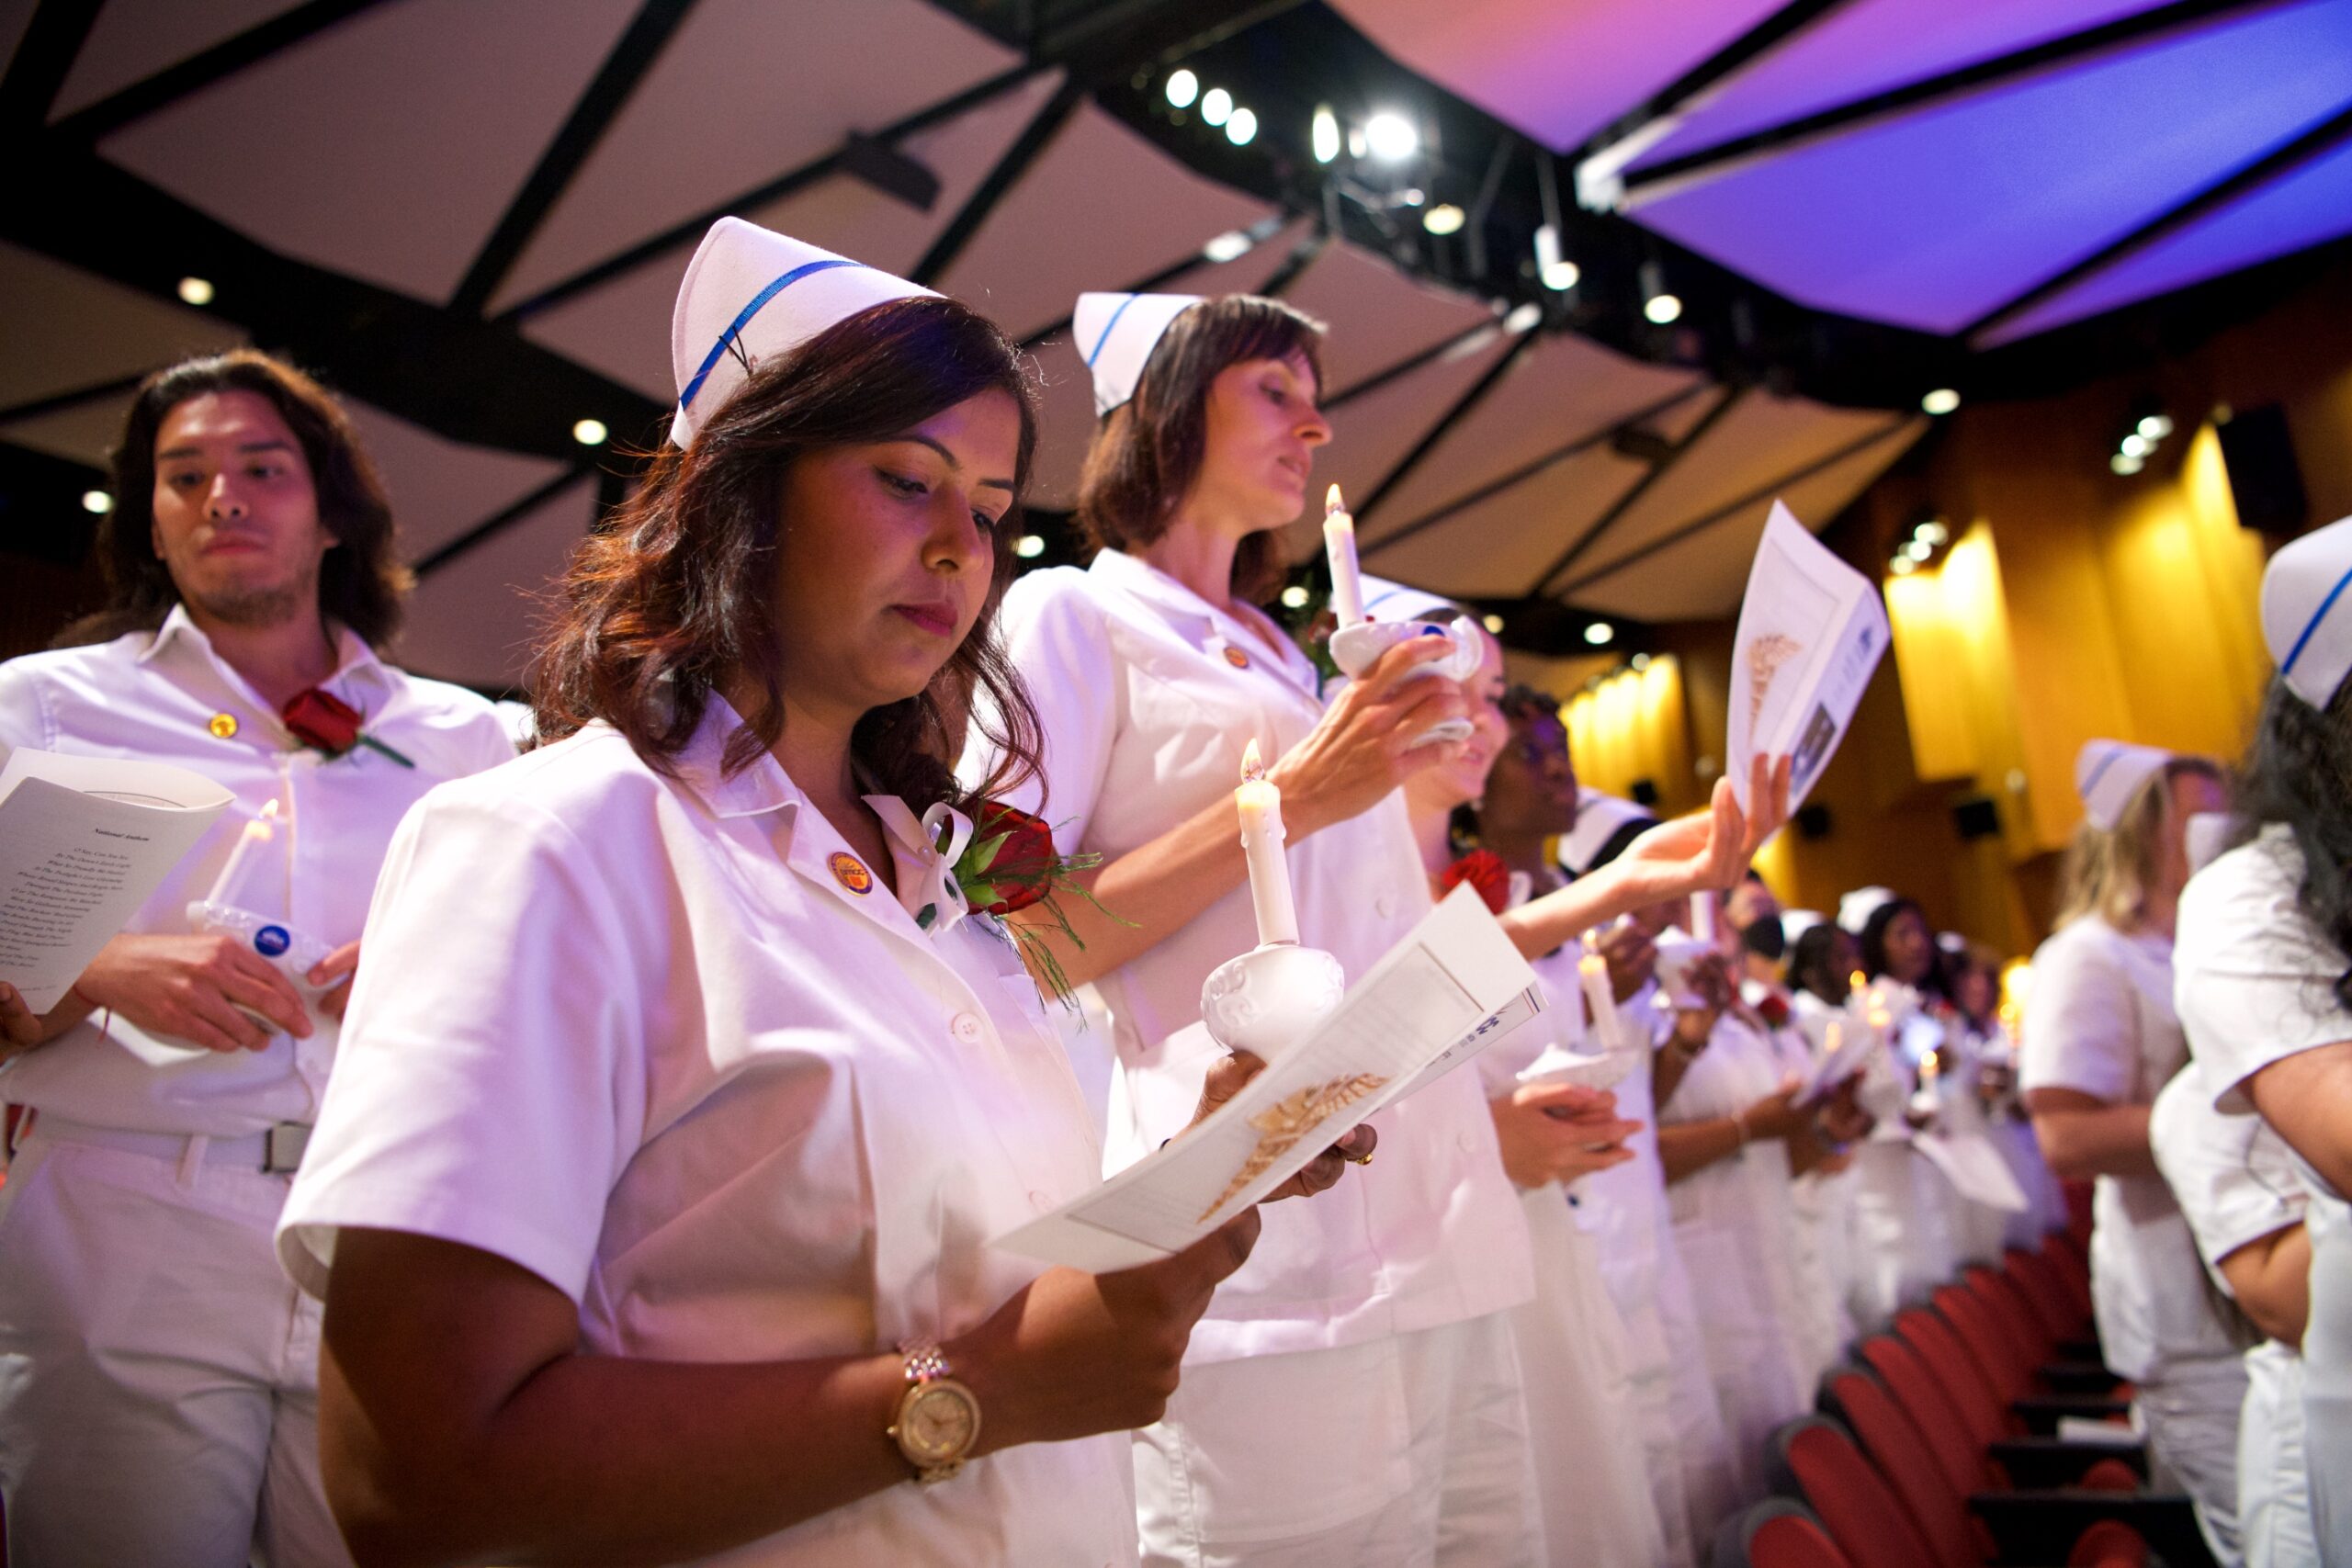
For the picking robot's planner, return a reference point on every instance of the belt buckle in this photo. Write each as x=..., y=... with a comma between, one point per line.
x=283, y=1147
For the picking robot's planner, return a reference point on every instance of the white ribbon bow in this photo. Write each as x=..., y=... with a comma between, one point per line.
x=932, y=896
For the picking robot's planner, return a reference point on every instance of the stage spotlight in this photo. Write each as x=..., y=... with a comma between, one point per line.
x=2125, y=463
x=1940, y=401
x=2137, y=446
x=1391, y=136
x=1444, y=219
x=196, y=291
x=1660, y=306
x=1242, y=127
x=1182, y=88
x=1600, y=633
x=2156, y=426
x=590, y=432
x=1903, y=566
x=1327, y=134
x=1295, y=596
x=97, y=501
x=1215, y=104
x=1493, y=623
x=1029, y=547
x=1557, y=272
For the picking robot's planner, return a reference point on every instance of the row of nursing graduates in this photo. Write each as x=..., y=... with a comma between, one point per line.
x=684, y=1088
x=2257, y=1136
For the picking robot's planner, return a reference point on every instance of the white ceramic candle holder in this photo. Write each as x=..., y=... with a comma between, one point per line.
x=1585, y=1068
x=1356, y=648
x=1271, y=998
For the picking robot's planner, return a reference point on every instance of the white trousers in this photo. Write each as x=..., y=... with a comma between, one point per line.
x=158, y=1371
x=2274, y=1495
x=2191, y=1411
x=1405, y=1453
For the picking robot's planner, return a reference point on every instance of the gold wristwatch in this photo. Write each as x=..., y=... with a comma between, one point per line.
x=938, y=1419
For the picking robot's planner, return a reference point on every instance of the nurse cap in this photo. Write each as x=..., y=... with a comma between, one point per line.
x=1598, y=819
x=1116, y=333
x=2110, y=774
x=2306, y=615
x=1386, y=600
x=1795, y=923
x=750, y=294
x=1855, y=909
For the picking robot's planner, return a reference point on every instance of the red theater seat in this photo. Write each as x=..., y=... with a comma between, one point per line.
x=1778, y=1533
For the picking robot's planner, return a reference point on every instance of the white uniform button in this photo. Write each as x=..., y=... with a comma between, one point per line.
x=966, y=1028
x=1385, y=907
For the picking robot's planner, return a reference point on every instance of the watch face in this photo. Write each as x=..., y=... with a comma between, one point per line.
x=940, y=1422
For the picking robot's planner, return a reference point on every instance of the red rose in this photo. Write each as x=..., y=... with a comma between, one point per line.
x=1484, y=870
x=1773, y=1010
x=1021, y=870
x=319, y=718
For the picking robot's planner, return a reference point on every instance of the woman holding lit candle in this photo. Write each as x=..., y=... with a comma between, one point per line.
x=1383, y=1312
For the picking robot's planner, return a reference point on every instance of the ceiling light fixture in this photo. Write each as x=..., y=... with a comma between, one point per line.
x=1242, y=127
x=2125, y=463
x=197, y=291
x=1640, y=661
x=2137, y=446
x=1940, y=401
x=590, y=432
x=1391, y=137
x=1444, y=219
x=1600, y=633
x=1327, y=134
x=1182, y=88
x=1934, y=532
x=1554, y=270
x=1919, y=550
x=1903, y=566
x=1215, y=104
x=1231, y=245
x=1295, y=596
x=97, y=500
x=2156, y=426
x=1493, y=623
x=1029, y=547
x=1661, y=307
x=1523, y=317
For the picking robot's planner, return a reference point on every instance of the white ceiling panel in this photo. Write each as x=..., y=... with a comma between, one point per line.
x=746, y=91
x=1564, y=389
x=387, y=147
x=474, y=620
x=1702, y=577
x=1099, y=209
x=1760, y=439
x=69, y=328
x=623, y=328
x=1497, y=547
x=1378, y=316
x=84, y=433
x=132, y=40
x=441, y=488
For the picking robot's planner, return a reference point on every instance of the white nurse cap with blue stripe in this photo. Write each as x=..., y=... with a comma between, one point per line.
x=2307, y=613
x=750, y=294
x=1387, y=601
x=1600, y=817
x=2110, y=774
x=1116, y=333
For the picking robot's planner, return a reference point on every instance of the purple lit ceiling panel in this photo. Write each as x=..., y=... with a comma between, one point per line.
x=1558, y=69
x=1936, y=219
x=2304, y=207
x=1874, y=48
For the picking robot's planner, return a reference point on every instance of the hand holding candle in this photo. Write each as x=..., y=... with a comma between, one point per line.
x=1261, y=805
x=231, y=888
x=1339, y=545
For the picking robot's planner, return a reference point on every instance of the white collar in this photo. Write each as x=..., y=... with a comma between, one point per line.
x=1209, y=626
x=355, y=661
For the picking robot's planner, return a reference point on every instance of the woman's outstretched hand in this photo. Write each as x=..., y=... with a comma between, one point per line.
x=1711, y=848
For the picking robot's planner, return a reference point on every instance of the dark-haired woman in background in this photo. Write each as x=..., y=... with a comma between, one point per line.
x=2264, y=969
x=1379, y=1314
x=652, y=1218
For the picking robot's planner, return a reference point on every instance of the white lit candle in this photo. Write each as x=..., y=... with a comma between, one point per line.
x=1339, y=544
x=1702, y=916
x=1592, y=970
x=228, y=888
x=1261, y=805
x=1923, y=1102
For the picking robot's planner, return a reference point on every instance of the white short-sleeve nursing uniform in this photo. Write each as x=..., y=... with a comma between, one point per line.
x=2254, y=985
x=1148, y=696
x=2101, y=1021
x=669, y=1044
x=2237, y=1183
x=158, y=1374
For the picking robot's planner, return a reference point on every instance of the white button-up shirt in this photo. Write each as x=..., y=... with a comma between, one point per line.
x=1148, y=696
x=156, y=697
x=669, y=1046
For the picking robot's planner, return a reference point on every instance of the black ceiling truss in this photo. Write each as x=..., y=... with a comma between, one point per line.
x=640, y=44
x=2321, y=139
x=1668, y=172
x=1533, y=467
x=1468, y=341
x=1755, y=497
x=1504, y=363
x=1578, y=547
x=1303, y=255
x=1792, y=18
x=1016, y=161
x=205, y=67
x=75, y=398
x=44, y=55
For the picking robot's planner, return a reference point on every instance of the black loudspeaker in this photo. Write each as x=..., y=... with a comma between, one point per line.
x=1978, y=817
x=2265, y=482
x=1812, y=821
x=1645, y=792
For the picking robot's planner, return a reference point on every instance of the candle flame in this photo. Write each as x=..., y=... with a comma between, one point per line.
x=269, y=811
x=1861, y=981
x=1332, y=504
x=1252, y=768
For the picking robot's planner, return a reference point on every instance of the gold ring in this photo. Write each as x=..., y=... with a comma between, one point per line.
x=1363, y=1158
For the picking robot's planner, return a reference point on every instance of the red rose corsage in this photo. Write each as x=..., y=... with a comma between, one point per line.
x=1484, y=870
x=1774, y=1010
x=1012, y=865
x=326, y=723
